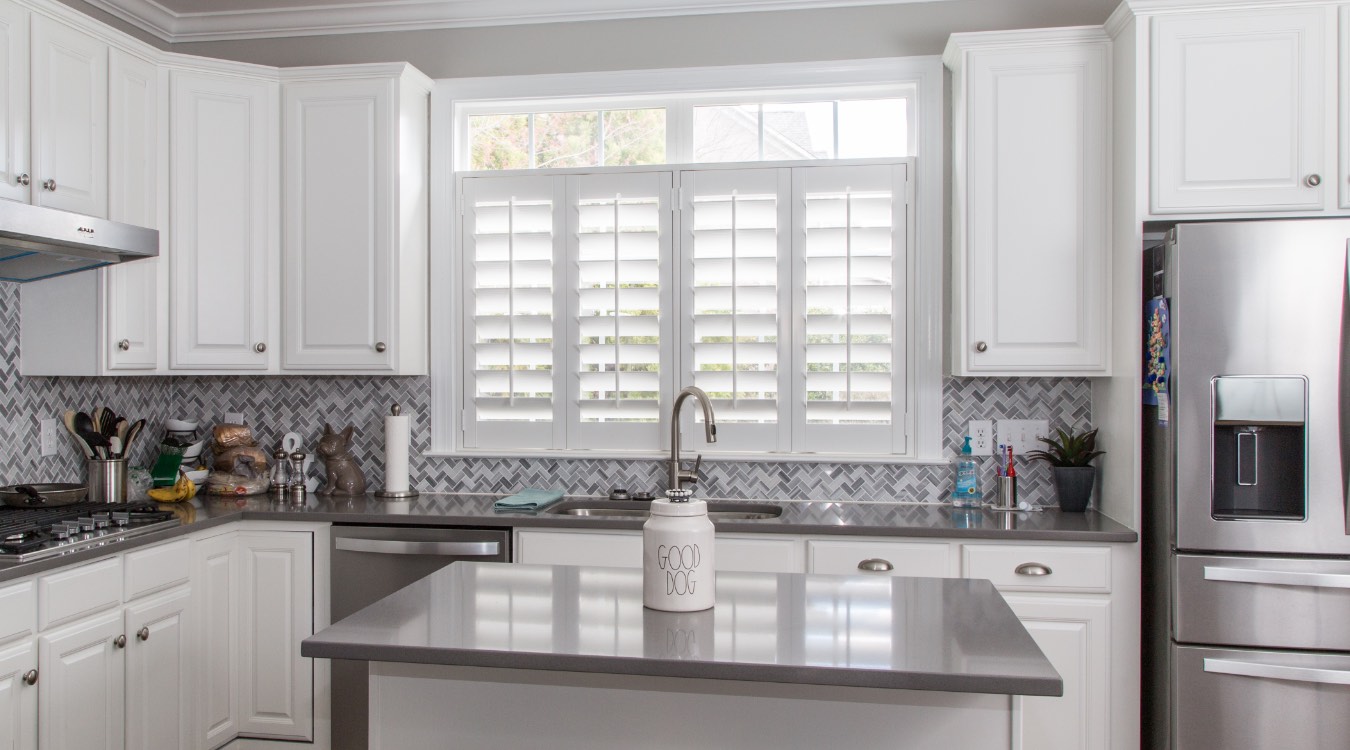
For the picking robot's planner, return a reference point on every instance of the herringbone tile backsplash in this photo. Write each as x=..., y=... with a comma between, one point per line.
x=276, y=405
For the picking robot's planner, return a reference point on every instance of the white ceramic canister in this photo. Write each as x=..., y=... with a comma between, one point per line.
x=678, y=574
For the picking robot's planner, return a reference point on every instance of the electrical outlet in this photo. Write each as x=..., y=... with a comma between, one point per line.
x=49, y=436
x=1021, y=434
x=981, y=437
x=234, y=417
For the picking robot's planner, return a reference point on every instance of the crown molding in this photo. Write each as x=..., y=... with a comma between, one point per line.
x=973, y=41
x=414, y=15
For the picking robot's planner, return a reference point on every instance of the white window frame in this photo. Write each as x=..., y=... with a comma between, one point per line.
x=453, y=99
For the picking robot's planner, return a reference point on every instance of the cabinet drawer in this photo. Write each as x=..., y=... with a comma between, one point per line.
x=71, y=594
x=763, y=554
x=931, y=559
x=1040, y=568
x=18, y=611
x=157, y=568
x=621, y=550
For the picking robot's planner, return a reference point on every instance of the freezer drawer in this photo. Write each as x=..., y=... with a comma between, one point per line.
x=1262, y=602
x=1257, y=700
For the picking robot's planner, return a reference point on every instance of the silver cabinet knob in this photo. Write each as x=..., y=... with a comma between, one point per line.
x=49, y=185
x=30, y=677
x=380, y=347
x=1033, y=569
x=260, y=347
x=1313, y=180
x=23, y=179
x=124, y=345
x=980, y=346
x=143, y=634
x=876, y=565
x=120, y=641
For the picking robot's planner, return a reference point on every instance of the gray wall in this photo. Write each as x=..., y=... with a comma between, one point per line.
x=899, y=30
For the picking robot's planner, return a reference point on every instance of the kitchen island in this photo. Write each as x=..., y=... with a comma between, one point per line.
x=484, y=655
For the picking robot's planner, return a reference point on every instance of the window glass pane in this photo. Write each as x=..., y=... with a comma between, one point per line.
x=799, y=131
x=726, y=133
x=635, y=136
x=499, y=141
x=873, y=128
x=566, y=139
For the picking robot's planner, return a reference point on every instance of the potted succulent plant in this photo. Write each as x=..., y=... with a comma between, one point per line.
x=1070, y=454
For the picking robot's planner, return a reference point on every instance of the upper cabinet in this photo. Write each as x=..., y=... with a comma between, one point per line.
x=1240, y=111
x=70, y=119
x=354, y=247
x=1031, y=190
x=15, y=177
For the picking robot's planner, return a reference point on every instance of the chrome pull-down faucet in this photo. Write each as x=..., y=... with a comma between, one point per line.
x=680, y=476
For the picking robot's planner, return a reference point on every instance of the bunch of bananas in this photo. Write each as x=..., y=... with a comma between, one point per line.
x=181, y=490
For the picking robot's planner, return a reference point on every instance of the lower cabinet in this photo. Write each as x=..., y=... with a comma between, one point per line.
x=160, y=660
x=1074, y=634
x=758, y=553
x=82, y=671
x=18, y=696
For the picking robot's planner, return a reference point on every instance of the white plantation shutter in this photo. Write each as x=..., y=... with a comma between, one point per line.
x=850, y=236
x=619, y=232
x=511, y=228
x=735, y=246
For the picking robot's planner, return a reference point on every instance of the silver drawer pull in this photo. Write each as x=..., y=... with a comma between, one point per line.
x=1033, y=569
x=1278, y=577
x=395, y=547
x=876, y=565
x=1277, y=671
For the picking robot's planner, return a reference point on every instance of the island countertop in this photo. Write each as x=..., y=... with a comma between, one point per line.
x=953, y=635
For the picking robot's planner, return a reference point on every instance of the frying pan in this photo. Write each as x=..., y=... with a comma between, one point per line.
x=41, y=495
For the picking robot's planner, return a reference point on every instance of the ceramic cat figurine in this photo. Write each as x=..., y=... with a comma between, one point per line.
x=344, y=476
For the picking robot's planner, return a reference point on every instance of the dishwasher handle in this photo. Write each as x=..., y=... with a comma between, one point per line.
x=397, y=547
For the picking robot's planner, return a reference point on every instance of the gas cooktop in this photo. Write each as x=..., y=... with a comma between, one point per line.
x=28, y=534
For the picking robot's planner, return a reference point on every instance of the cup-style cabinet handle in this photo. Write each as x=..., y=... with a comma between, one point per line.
x=981, y=347
x=124, y=345
x=876, y=565
x=49, y=185
x=260, y=347
x=30, y=677
x=1033, y=569
x=120, y=641
x=23, y=179
x=1313, y=180
x=380, y=347
x=143, y=634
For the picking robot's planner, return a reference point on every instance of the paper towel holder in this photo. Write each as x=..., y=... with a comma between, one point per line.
x=386, y=494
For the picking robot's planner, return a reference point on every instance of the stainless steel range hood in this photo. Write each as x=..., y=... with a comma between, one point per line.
x=39, y=243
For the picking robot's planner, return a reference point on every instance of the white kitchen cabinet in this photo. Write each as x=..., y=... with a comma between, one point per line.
x=276, y=684
x=1240, y=110
x=70, y=118
x=216, y=583
x=880, y=556
x=81, y=686
x=160, y=653
x=15, y=178
x=18, y=696
x=354, y=249
x=1074, y=634
x=223, y=272
x=763, y=553
x=1031, y=192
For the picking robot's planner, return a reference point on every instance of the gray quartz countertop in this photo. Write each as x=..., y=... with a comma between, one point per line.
x=955, y=635
x=475, y=510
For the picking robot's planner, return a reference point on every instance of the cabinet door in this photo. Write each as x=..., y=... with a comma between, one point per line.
x=136, y=138
x=1073, y=634
x=15, y=180
x=1239, y=111
x=277, y=608
x=884, y=557
x=159, y=688
x=18, y=699
x=1035, y=183
x=339, y=238
x=224, y=230
x=216, y=584
x=82, y=672
x=70, y=118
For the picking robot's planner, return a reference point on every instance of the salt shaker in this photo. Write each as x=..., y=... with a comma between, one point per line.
x=281, y=473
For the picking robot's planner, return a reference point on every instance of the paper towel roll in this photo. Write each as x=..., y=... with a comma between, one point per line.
x=397, y=430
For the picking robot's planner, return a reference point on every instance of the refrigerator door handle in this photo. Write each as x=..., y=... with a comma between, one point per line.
x=1277, y=577
x=1342, y=397
x=1277, y=671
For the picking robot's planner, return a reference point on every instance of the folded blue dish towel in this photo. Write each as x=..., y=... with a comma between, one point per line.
x=529, y=500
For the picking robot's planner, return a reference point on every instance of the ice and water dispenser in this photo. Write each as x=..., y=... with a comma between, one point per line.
x=1260, y=448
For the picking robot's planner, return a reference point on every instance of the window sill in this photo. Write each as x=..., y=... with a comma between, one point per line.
x=690, y=450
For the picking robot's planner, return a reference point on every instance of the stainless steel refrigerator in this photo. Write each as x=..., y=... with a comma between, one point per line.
x=1246, y=478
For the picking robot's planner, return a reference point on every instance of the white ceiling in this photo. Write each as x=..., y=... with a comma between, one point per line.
x=206, y=20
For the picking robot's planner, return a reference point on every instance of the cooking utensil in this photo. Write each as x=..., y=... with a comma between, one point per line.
x=133, y=432
x=69, y=420
x=41, y=495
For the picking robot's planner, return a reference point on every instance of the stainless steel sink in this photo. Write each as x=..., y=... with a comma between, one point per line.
x=637, y=509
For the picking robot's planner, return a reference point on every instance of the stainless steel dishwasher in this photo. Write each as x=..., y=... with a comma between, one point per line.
x=372, y=562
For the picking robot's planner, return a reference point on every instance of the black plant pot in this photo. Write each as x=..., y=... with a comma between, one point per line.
x=1073, y=486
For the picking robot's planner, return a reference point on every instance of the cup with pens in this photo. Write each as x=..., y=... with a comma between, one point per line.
x=1006, y=480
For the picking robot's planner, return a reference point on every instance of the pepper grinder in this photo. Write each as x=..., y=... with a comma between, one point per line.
x=297, y=488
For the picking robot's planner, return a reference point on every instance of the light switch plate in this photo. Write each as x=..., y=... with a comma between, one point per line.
x=1021, y=434
x=234, y=417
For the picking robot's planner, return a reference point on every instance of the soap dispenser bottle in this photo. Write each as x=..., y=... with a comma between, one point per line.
x=678, y=574
x=967, y=491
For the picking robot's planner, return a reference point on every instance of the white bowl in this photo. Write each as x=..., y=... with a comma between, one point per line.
x=198, y=476
x=179, y=425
